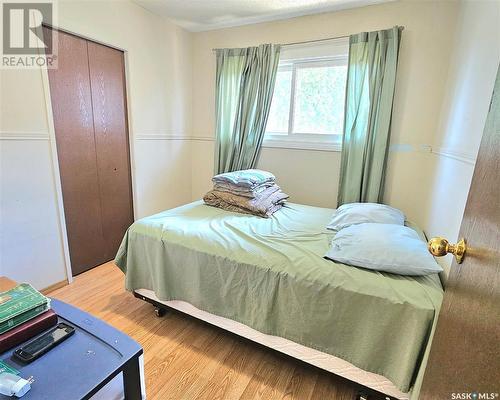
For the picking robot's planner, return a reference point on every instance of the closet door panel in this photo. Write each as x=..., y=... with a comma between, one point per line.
x=74, y=128
x=112, y=148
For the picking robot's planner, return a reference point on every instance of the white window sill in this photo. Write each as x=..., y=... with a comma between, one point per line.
x=301, y=145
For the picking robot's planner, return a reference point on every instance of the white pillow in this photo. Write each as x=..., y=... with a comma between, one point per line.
x=383, y=247
x=360, y=213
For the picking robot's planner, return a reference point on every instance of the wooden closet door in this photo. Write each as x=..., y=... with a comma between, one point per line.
x=74, y=128
x=107, y=79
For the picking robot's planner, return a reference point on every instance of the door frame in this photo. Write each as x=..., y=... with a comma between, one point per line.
x=53, y=145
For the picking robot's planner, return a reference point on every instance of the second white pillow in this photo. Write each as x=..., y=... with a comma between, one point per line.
x=360, y=213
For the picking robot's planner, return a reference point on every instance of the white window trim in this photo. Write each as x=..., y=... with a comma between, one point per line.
x=304, y=141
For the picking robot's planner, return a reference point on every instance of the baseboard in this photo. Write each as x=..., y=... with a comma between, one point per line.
x=53, y=287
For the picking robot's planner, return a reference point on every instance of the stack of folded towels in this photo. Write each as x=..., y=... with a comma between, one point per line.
x=249, y=191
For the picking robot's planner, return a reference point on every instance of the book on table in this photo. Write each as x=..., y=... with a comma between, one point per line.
x=29, y=329
x=19, y=305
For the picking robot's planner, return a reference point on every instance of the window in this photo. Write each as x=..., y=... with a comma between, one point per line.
x=307, y=110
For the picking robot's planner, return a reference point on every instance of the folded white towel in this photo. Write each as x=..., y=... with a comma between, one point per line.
x=248, y=178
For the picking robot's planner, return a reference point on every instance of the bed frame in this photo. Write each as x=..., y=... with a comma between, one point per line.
x=371, y=386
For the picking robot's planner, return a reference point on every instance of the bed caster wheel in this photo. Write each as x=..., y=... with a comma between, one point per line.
x=362, y=396
x=160, y=312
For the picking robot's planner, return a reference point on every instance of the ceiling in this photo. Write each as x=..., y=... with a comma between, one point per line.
x=202, y=15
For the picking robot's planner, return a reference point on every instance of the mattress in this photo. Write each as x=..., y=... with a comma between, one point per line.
x=270, y=275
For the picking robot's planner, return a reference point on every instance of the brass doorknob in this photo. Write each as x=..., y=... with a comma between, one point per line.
x=439, y=247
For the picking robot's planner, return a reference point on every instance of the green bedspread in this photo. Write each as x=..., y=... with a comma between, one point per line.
x=270, y=274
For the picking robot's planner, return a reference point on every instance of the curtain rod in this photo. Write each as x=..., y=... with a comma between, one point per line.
x=310, y=41
x=316, y=40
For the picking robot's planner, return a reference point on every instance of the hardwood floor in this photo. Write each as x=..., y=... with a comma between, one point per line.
x=188, y=359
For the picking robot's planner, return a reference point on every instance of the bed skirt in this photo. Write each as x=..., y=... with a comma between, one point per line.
x=311, y=356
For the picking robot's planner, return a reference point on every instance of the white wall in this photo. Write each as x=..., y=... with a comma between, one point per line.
x=302, y=174
x=471, y=78
x=424, y=58
x=158, y=63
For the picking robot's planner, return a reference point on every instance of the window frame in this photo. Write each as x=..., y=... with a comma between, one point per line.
x=311, y=141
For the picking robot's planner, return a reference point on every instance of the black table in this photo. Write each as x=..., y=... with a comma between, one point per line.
x=84, y=363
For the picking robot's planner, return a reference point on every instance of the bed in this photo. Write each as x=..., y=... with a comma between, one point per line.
x=267, y=280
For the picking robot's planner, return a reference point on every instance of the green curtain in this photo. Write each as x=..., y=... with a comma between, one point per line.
x=371, y=77
x=244, y=89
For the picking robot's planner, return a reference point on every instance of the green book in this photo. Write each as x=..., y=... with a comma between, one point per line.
x=19, y=305
x=4, y=367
